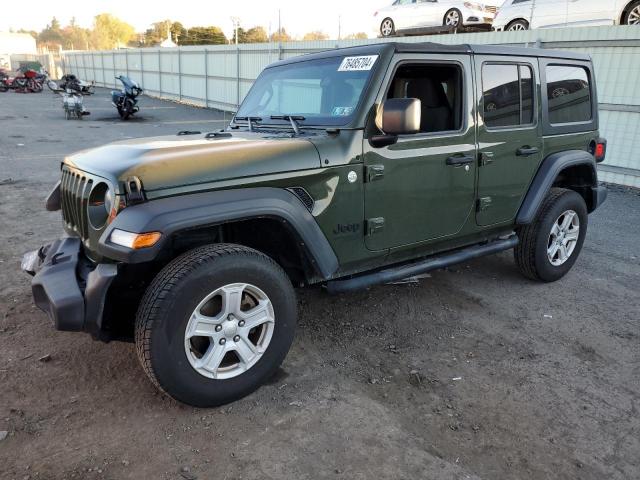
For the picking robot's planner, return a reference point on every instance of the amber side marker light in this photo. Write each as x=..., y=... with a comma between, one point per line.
x=134, y=241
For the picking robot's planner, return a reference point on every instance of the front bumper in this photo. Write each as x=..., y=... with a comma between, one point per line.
x=68, y=287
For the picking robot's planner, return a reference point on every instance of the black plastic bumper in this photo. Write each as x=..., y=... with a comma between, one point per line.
x=69, y=288
x=599, y=195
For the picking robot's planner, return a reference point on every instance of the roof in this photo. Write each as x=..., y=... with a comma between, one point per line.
x=431, y=47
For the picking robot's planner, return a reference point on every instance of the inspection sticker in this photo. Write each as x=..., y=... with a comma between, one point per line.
x=357, y=64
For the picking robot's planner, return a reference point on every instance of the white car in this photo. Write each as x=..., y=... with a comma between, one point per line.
x=525, y=14
x=410, y=16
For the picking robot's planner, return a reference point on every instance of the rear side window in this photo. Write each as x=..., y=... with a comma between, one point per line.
x=507, y=96
x=568, y=94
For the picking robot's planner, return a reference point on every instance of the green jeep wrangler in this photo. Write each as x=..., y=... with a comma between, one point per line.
x=345, y=169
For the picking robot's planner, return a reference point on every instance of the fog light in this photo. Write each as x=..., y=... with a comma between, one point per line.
x=134, y=241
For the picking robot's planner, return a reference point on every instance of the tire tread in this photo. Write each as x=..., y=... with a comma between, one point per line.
x=168, y=278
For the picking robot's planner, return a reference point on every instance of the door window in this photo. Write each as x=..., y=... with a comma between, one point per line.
x=507, y=95
x=439, y=89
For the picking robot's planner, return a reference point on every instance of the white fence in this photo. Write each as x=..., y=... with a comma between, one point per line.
x=220, y=76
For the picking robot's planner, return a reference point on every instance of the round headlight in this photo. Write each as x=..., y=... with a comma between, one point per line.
x=100, y=204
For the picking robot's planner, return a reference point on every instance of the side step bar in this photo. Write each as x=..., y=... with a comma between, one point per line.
x=432, y=263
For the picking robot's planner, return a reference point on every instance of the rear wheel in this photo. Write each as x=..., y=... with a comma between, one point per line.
x=632, y=14
x=518, y=25
x=453, y=18
x=387, y=28
x=550, y=245
x=215, y=324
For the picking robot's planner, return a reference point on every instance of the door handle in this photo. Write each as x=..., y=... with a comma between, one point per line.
x=460, y=159
x=527, y=151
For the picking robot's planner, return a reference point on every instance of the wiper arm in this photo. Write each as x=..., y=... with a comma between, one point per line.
x=293, y=119
x=249, y=120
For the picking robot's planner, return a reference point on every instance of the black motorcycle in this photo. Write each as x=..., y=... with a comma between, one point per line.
x=125, y=100
x=73, y=83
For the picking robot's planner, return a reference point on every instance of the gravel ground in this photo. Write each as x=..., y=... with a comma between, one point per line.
x=474, y=373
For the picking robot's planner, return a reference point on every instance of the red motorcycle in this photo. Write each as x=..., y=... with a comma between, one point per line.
x=28, y=82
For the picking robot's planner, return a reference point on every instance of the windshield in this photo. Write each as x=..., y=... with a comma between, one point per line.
x=324, y=92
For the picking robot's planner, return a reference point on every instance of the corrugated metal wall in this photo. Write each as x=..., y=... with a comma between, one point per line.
x=220, y=76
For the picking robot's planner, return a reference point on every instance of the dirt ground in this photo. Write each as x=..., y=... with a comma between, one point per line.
x=475, y=373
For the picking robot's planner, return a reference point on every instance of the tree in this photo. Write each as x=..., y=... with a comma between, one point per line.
x=110, y=32
x=253, y=35
x=51, y=35
x=281, y=36
x=178, y=32
x=315, y=35
x=204, y=36
x=357, y=36
x=75, y=37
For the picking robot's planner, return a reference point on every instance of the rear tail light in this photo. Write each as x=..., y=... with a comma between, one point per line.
x=599, y=149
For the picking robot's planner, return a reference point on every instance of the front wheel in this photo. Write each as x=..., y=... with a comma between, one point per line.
x=550, y=245
x=387, y=28
x=215, y=324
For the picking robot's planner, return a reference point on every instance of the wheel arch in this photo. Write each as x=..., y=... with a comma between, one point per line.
x=518, y=19
x=574, y=170
x=271, y=220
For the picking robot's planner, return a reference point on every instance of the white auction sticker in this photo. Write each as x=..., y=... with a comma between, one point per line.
x=357, y=64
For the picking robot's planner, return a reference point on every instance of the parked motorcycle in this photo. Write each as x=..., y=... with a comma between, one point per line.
x=125, y=100
x=5, y=82
x=71, y=82
x=24, y=83
x=72, y=104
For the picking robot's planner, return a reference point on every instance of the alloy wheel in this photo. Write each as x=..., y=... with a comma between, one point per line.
x=387, y=27
x=563, y=238
x=452, y=19
x=516, y=27
x=634, y=16
x=229, y=331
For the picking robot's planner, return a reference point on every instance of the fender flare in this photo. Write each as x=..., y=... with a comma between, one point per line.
x=549, y=170
x=174, y=214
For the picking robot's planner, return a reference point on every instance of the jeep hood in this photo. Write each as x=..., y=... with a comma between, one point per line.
x=175, y=161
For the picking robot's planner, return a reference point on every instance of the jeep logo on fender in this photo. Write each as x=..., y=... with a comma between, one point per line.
x=347, y=228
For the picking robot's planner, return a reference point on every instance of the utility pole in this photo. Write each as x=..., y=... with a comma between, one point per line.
x=236, y=25
x=339, y=27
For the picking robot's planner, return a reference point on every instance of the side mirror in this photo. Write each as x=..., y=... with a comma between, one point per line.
x=396, y=116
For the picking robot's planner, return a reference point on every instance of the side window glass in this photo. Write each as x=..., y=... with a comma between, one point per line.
x=440, y=91
x=508, y=99
x=568, y=93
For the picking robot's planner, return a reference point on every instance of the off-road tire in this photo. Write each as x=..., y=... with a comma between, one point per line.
x=531, y=253
x=169, y=301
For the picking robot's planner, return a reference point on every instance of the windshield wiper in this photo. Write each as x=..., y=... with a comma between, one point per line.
x=249, y=120
x=293, y=119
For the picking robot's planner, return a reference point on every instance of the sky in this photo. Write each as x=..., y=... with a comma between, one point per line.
x=298, y=16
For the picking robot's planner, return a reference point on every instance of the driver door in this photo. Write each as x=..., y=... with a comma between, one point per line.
x=423, y=187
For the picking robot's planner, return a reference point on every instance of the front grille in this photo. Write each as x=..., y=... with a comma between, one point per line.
x=75, y=188
x=490, y=9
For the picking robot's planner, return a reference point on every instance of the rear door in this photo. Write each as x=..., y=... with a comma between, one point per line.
x=423, y=187
x=428, y=13
x=549, y=13
x=590, y=12
x=403, y=15
x=509, y=134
